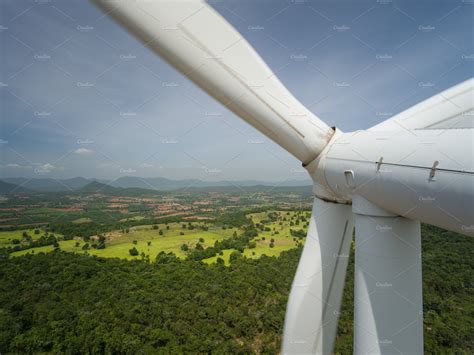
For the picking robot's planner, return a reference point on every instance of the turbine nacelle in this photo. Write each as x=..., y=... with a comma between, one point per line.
x=425, y=172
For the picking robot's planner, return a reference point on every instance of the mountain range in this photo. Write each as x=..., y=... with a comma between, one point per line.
x=21, y=184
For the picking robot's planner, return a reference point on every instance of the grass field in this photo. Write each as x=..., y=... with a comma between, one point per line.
x=6, y=237
x=148, y=240
x=280, y=233
x=272, y=225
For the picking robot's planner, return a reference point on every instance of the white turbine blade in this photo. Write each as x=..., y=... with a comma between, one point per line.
x=313, y=308
x=452, y=108
x=202, y=45
x=388, y=295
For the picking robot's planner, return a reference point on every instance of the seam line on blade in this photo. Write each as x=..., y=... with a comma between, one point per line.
x=407, y=166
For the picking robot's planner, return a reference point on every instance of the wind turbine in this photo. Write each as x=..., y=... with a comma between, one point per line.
x=418, y=166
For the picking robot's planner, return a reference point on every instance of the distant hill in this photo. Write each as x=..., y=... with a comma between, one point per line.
x=126, y=182
x=48, y=184
x=7, y=188
x=98, y=187
x=157, y=183
x=304, y=190
x=160, y=183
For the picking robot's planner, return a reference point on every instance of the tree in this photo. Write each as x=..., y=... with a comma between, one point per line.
x=166, y=258
x=135, y=242
x=235, y=255
x=85, y=246
x=148, y=243
x=160, y=232
x=133, y=251
x=184, y=247
x=201, y=240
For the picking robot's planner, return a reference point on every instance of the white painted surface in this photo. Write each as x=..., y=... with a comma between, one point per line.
x=388, y=302
x=436, y=111
x=313, y=308
x=392, y=170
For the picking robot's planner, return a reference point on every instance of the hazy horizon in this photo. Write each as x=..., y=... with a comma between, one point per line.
x=81, y=97
x=302, y=180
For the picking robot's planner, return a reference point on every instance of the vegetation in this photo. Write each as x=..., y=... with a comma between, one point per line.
x=66, y=302
x=102, y=273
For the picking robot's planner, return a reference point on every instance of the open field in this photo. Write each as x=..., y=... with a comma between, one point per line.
x=148, y=241
x=7, y=237
x=277, y=230
x=274, y=236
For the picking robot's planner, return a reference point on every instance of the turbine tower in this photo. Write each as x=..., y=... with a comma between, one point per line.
x=418, y=166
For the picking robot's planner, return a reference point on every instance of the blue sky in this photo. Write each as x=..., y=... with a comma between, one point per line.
x=80, y=97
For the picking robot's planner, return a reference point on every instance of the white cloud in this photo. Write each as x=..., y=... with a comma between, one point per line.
x=83, y=151
x=45, y=168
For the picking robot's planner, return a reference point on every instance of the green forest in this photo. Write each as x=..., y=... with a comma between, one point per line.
x=69, y=303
